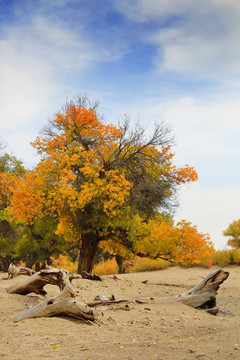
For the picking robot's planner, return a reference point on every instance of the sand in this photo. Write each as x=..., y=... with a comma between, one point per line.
x=154, y=330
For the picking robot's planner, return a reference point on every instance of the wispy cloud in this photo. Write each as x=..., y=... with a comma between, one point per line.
x=35, y=62
x=196, y=39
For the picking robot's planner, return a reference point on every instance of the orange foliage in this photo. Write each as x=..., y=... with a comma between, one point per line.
x=54, y=185
x=28, y=197
x=5, y=193
x=62, y=262
x=181, y=243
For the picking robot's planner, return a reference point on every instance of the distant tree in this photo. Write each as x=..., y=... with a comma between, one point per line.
x=96, y=178
x=233, y=231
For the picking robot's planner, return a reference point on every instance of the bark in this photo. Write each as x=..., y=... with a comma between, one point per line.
x=64, y=304
x=88, y=253
x=88, y=276
x=5, y=261
x=119, y=260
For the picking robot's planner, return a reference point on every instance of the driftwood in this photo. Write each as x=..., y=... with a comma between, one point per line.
x=69, y=274
x=102, y=303
x=37, y=281
x=203, y=295
x=106, y=302
x=14, y=270
x=64, y=304
x=86, y=275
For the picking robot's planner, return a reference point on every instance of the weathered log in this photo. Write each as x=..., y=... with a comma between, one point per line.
x=71, y=276
x=37, y=281
x=106, y=302
x=86, y=275
x=14, y=270
x=63, y=304
x=203, y=295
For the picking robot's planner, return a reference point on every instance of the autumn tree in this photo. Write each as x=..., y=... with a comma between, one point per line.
x=233, y=232
x=160, y=237
x=95, y=178
x=180, y=243
x=10, y=167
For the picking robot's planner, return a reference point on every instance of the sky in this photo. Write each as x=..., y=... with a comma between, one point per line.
x=154, y=60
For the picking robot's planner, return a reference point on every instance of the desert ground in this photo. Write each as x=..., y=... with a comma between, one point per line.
x=153, y=330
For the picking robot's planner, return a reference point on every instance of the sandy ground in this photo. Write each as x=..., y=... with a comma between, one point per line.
x=155, y=330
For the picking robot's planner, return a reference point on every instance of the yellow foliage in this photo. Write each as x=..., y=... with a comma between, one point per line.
x=63, y=262
x=181, y=243
x=108, y=267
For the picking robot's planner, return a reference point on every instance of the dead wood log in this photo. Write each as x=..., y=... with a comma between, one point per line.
x=203, y=295
x=86, y=275
x=70, y=275
x=63, y=304
x=14, y=270
x=37, y=281
x=106, y=302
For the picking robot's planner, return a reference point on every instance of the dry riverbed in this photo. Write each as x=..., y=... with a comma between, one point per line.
x=151, y=330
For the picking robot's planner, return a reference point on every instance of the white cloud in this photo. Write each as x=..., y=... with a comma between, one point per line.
x=201, y=42
x=142, y=10
x=201, y=128
x=33, y=64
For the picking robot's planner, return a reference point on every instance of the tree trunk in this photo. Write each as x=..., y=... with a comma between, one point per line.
x=88, y=252
x=119, y=260
x=5, y=261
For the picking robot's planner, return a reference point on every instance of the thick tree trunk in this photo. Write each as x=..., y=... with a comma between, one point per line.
x=119, y=260
x=88, y=253
x=5, y=261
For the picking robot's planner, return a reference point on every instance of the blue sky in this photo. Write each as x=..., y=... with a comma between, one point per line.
x=155, y=60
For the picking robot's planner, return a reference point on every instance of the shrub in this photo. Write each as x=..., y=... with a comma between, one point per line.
x=63, y=262
x=145, y=264
x=222, y=258
x=235, y=256
x=207, y=262
x=108, y=267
